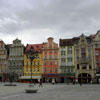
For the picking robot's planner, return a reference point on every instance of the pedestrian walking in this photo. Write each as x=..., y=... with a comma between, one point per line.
x=40, y=83
x=91, y=82
x=34, y=82
x=80, y=83
x=53, y=81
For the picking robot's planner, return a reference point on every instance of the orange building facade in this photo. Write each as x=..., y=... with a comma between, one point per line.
x=50, y=53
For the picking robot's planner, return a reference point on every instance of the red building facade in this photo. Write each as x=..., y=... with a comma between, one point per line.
x=97, y=57
x=50, y=54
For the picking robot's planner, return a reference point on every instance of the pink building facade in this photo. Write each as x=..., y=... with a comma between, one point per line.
x=50, y=54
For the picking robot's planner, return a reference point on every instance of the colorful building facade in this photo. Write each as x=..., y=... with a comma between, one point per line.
x=84, y=59
x=3, y=62
x=50, y=52
x=16, y=59
x=36, y=64
x=66, y=64
x=96, y=49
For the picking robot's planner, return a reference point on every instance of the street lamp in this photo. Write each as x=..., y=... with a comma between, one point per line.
x=31, y=54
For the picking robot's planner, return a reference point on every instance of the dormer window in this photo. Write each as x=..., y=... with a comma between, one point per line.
x=82, y=40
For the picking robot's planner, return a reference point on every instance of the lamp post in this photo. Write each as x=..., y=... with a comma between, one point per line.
x=31, y=54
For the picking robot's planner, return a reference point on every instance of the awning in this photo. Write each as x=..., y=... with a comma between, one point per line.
x=29, y=77
x=97, y=74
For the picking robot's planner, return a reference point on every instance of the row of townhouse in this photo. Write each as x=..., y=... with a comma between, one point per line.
x=74, y=60
x=80, y=59
x=11, y=60
x=46, y=65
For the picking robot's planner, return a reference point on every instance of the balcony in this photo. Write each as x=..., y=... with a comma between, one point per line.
x=63, y=63
x=69, y=56
x=63, y=56
x=70, y=64
x=83, y=61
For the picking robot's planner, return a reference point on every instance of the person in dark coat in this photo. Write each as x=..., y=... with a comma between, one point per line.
x=40, y=83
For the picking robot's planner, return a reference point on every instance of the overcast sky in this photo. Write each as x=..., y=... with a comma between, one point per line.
x=33, y=21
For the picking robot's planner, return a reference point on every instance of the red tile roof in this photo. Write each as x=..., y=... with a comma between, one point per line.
x=37, y=47
x=92, y=35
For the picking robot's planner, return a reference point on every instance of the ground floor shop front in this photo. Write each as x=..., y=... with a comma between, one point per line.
x=67, y=77
x=4, y=77
x=28, y=79
x=49, y=77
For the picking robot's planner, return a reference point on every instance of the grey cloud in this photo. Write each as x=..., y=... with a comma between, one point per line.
x=66, y=17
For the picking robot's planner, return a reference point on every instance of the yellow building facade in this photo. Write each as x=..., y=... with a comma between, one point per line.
x=36, y=65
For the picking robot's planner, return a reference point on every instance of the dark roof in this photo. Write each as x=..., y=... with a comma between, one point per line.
x=66, y=42
x=8, y=45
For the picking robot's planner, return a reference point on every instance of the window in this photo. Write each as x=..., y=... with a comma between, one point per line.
x=69, y=51
x=77, y=58
x=50, y=57
x=45, y=63
x=77, y=66
x=38, y=63
x=64, y=70
x=70, y=59
x=55, y=57
x=63, y=53
x=96, y=45
x=96, y=53
x=34, y=69
x=89, y=66
x=83, y=66
x=97, y=60
x=38, y=56
x=63, y=60
x=82, y=40
x=50, y=52
x=45, y=57
x=89, y=57
x=45, y=69
x=34, y=63
x=83, y=51
x=26, y=69
x=50, y=45
x=77, y=51
x=56, y=62
x=37, y=69
x=50, y=63
x=89, y=50
x=55, y=69
x=50, y=70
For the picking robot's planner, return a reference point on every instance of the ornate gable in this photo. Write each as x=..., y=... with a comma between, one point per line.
x=97, y=37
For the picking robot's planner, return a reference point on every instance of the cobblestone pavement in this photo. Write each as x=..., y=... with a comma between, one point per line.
x=50, y=92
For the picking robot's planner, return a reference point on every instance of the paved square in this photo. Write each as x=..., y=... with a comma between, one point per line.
x=51, y=92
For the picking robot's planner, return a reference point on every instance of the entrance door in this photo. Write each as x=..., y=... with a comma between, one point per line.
x=62, y=79
x=84, y=78
x=0, y=78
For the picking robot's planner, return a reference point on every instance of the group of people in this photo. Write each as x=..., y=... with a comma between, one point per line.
x=40, y=82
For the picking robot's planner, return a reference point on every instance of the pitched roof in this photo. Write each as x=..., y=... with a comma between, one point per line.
x=66, y=42
x=92, y=36
x=37, y=47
